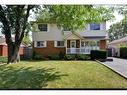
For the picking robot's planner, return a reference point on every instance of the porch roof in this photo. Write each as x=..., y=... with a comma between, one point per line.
x=88, y=34
x=73, y=33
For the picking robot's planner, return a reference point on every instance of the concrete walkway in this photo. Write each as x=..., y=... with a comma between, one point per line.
x=118, y=65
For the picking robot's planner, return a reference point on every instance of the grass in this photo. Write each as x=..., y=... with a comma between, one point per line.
x=58, y=74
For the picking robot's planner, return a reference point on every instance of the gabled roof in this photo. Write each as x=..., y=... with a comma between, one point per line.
x=71, y=33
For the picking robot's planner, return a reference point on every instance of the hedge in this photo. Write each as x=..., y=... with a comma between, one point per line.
x=123, y=52
x=98, y=54
x=69, y=57
x=82, y=56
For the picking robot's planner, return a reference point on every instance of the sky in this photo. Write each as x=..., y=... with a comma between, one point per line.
x=118, y=18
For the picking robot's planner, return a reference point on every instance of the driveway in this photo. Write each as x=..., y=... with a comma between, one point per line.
x=118, y=65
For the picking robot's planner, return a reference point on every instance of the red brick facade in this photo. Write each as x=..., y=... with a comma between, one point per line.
x=49, y=50
x=4, y=50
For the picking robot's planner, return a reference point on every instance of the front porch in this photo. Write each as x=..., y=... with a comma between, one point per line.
x=76, y=44
x=79, y=46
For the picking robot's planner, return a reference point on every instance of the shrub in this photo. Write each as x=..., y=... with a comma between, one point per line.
x=82, y=56
x=38, y=57
x=61, y=55
x=98, y=54
x=123, y=52
x=53, y=57
x=3, y=59
x=69, y=57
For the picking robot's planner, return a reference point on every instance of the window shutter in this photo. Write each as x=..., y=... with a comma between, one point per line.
x=45, y=43
x=55, y=43
x=35, y=43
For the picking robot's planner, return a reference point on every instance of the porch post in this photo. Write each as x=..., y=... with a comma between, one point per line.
x=66, y=46
x=80, y=47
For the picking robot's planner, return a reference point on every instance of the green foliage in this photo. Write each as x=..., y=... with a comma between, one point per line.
x=82, y=57
x=53, y=57
x=69, y=57
x=123, y=52
x=98, y=54
x=37, y=56
x=73, y=17
x=26, y=40
x=117, y=30
x=61, y=55
x=3, y=59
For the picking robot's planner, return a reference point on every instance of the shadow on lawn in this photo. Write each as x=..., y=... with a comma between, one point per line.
x=27, y=77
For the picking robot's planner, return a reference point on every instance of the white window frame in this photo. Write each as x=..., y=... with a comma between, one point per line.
x=45, y=44
x=71, y=43
x=43, y=23
x=55, y=44
x=84, y=44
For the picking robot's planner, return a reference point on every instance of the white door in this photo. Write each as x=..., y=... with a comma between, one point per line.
x=73, y=46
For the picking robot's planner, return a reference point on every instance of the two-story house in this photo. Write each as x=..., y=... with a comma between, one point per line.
x=48, y=39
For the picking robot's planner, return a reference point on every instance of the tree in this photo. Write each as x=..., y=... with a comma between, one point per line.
x=26, y=40
x=14, y=20
x=74, y=17
x=116, y=31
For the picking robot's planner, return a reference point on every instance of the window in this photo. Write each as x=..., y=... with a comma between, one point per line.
x=42, y=27
x=94, y=26
x=92, y=43
x=59, y=44
x=41, y=44
x=82, y=44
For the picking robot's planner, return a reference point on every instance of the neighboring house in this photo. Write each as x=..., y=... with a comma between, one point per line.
x=4, y=50
x=48, y=39
x=114, y=45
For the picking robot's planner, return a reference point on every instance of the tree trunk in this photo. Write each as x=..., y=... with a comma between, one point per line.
x=13, y=54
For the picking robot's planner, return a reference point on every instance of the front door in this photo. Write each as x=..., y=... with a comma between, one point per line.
x=73, y=46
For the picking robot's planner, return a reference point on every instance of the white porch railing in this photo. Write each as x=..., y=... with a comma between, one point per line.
x=85, y=50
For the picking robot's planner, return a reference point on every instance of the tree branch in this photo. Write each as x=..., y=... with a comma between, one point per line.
x=25, y=22
x=6, y=26
x=19, y=11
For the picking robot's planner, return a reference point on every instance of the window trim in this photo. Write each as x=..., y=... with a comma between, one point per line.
x=40, y=30
x=94, y=26
x=55, y=44
x=45, y=44
x=84, y=44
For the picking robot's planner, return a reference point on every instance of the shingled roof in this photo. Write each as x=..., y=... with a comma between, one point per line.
x=124, y=39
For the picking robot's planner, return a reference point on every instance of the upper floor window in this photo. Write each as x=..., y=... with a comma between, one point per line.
x=41, y=44
x=42, y=27
x=94, y=26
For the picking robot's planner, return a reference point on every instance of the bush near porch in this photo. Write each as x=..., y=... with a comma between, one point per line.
x=123, y=52
x=98, y=54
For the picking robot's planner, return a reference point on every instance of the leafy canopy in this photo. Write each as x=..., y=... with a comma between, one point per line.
x=74, y=17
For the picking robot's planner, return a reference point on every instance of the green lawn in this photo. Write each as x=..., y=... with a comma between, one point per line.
x=58, y=74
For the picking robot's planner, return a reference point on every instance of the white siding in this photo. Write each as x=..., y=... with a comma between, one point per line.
x=53, y=33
